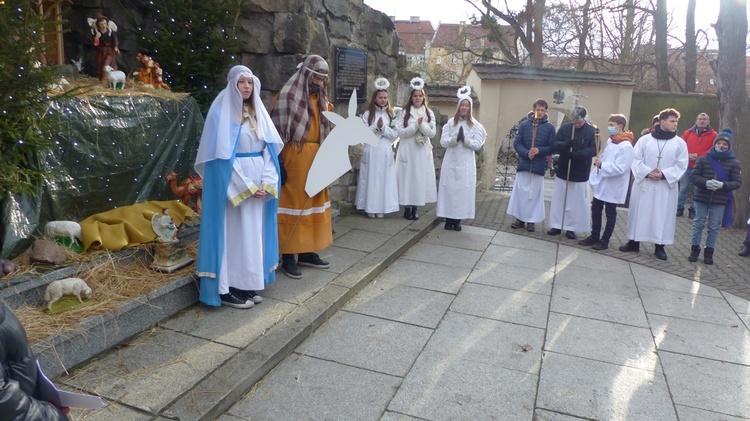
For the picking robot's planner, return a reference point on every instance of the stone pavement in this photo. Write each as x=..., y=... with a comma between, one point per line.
x=440, y=333
x=490, y=325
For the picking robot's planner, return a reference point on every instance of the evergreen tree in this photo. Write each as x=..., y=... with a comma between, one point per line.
x=24, y=130
x=194, y=41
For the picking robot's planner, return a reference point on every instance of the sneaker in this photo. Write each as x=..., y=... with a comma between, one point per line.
x=691, y=213
x=553, y=231
x=570, y=235
x=517, y=224
x=379, y=215
x=248, y=295
x=289, y=267
x=530, y=227
x=588, y=241
x=233, y=300
x=370, y=215
x=600, y=245
x=631, y=246
x=312, y=260
x=680, y=212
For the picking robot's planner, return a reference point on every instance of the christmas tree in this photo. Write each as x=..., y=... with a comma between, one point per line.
x=194, y=41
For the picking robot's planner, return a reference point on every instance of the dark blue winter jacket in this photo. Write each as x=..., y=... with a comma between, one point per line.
x=545, y=134
x=584, y=148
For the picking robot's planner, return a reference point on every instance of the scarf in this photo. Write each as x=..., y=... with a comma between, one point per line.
x=661, y=134
x=292, y=111
x=619, y=137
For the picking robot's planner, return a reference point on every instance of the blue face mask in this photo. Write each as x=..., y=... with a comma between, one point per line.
x=612, y=130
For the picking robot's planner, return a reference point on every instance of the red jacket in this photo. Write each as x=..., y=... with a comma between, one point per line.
x=698, y=143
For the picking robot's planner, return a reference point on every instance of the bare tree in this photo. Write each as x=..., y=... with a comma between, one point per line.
x=661, y=30
x=731, y=29
x=691, y=56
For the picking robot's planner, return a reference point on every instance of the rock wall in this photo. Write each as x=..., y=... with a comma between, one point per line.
x=276, y=35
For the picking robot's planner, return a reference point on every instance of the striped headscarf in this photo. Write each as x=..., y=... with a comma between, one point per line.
x=293, y=109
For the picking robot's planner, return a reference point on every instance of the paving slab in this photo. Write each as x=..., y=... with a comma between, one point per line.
x=707, y=340
x=624, y=309
x=305, y=388
x=367, y=342
x=590, y=279
x=587, y=258
x=361, y=240
x=740, y=305
x=401, y=303
x=602, y=341
x=602, y=391
x=646, y=277
x=471, y=238
x=543, y=415
x=687, y=413
x=711, y=385
x=441, y=387
x=425, y=275
x=443, y=255
x=296, y=291
x=512, y=256
x=503, y=304
x=395, y=416
x=114, y=411
x=494, y=274
x=152, y=370
x=523, y=242
x=392, y=223
x=688, y=306
x=501, y=344
x=230, y=326
x=340, y=259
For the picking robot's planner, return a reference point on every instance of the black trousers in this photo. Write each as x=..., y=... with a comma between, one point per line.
x=610, y=210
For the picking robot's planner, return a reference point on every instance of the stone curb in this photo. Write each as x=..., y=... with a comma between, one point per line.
x=217, y=392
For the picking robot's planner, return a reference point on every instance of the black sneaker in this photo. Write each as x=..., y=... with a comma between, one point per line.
x=247, y=295
x=517, y=224
x=631, y=246
x=530, y=227
x=553, y=231
x=233, y=300
x=290, y=268
x=588, y=241
x=600, y=245
x=312, y=260
x=570, y=235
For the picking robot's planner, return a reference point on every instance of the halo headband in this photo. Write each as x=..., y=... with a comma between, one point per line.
x=381, y=84
x=464, y=92
x=417, y=84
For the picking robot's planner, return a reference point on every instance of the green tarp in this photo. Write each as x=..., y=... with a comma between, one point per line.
x=111, y=151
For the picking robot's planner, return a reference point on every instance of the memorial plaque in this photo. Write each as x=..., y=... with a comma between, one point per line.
x=351, y=73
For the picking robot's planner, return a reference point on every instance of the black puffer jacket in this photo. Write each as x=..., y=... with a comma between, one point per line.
x=704, y=171
x=18, y=386
x=584, y=148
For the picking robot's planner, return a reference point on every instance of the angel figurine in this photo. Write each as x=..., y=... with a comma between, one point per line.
x=165, y=229
x=105, y=41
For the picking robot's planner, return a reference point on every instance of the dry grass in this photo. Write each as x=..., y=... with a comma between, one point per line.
x=113, y=283
x=83, y=86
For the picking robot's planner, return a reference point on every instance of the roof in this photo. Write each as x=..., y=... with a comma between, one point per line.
x=413, y=36
x=487, y=71
x=446, y=92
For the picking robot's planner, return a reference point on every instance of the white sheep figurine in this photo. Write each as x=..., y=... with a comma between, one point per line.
x=115, y=78
x=67, y=229
x=68, y=286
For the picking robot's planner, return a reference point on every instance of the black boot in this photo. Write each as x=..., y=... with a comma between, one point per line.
x=659, y=252
x=448, y=224
x=708, y=256
x=631, y=246
x=407, y=212
x=457, y=225
x=414, y=214
x=695, y=251
x=745, y=249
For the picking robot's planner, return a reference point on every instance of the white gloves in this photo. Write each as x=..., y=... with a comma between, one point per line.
x=714, y=185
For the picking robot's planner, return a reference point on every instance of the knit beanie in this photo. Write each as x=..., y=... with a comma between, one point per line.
x=726, y=135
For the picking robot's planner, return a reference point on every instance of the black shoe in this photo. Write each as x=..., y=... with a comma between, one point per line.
x=530, y=227
x=289, y=266
x=448, y=224
x=414, y=214
x=247, y=295
x=553, y=231
x=588, y=241
x=600, y=245
x=631, y=246
x=233, y=300
x=695, y=251
x=312, y=260
x=456, y=225
x=407, y=212
x=691, y=213
x=517, y=224
x=708, y=256
x=745, y=249
x=680, y=212
x=570, y=235
x=660, y=253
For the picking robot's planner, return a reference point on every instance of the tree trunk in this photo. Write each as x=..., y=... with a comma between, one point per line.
x=535, y=52
x=583, y=36
x=660, y=26
x=731, y=29
x=691, y=56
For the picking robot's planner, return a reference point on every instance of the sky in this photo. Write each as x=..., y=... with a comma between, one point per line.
x=455, y=11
